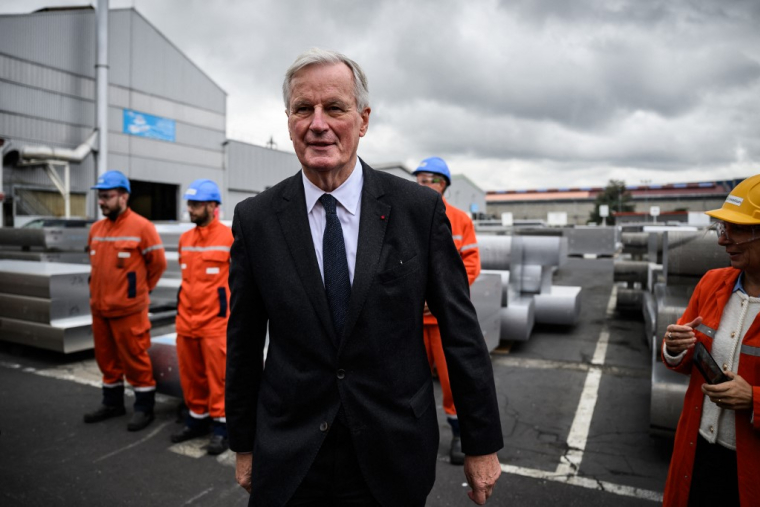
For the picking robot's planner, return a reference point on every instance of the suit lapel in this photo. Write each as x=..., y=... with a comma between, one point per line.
x=374, y=219
x=295, y=228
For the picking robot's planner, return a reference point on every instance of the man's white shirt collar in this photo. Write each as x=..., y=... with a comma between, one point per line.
x=347, y=194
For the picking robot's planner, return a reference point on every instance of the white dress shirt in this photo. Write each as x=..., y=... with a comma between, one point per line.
x=349, y=197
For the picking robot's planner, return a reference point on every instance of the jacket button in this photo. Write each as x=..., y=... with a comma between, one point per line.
x=324, y=427
x=725, y=367
x=341, y=374
x=733, y=333
x=712, y=430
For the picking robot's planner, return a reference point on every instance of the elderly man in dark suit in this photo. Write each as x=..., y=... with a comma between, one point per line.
x=338, y=261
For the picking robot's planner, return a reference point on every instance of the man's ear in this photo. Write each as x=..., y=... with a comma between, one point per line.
x=365, y=121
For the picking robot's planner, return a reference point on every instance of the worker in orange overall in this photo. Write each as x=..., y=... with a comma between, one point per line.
x=434, y=173
x=127, y=259
x=202, y=314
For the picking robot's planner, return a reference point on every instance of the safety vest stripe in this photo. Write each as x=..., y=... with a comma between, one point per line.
x=750, y=350
x=151, y=248
x=116, y=238
x=468, y=247
x=457, y=236
x=205, y=248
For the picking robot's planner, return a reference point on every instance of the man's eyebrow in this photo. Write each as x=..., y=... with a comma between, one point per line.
x=299, y=103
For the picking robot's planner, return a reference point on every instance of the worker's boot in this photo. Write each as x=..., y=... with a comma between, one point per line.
x=193, y=428
x=143, y=416
x=219, y=441
x=111, y=406
x=456, y=456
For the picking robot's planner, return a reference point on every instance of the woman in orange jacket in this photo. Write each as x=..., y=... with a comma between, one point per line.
x=716, y=455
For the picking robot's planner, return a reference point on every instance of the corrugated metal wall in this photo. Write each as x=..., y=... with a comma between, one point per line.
x=47, y=96
x=254, y=168
x=463, y=194
x=64, y=40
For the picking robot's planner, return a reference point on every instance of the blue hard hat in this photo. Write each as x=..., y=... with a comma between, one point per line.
x=112, y=179
x=203, y=190
x=435, y=165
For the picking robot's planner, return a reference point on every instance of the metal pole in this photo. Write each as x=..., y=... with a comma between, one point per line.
x=67, y=187
x=101, y=68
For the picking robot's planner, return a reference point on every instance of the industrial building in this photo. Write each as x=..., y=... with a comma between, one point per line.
x=578, y=203
x=166, y=117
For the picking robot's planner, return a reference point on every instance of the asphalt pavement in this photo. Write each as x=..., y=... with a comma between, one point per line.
x=574, y=410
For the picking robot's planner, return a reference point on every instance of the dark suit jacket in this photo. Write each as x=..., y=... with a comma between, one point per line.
x=379, y=373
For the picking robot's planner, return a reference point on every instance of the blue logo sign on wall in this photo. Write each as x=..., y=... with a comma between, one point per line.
x=147, y=125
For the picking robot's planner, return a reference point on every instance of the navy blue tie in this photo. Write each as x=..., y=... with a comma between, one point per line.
x=337, y=282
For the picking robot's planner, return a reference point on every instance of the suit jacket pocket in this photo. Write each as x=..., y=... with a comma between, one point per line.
x=422, y=399
x=401, y=269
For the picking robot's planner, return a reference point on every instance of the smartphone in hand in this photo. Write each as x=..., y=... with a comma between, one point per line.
x=707, y=366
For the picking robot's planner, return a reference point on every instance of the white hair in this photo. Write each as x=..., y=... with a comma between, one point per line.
x=317, y=56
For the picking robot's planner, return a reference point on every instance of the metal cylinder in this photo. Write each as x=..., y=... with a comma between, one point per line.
x=495, y=251
x=631, y=271
x=692, y=254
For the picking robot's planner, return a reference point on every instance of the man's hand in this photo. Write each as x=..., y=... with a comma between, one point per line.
x=243, y=465
x=481, y=473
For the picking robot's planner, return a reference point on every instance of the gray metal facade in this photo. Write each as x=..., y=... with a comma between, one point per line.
x=47, y=97
x=465, y=195
x=252, y=169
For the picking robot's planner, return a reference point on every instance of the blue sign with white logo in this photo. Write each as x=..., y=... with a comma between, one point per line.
x=147, y=125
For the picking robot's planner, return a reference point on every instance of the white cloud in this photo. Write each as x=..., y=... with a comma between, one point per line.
x=513, y=93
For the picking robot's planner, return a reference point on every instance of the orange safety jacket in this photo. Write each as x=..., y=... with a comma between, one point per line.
x=204, y=257
x=709, y=299
x=126, y=259
x=463, y=233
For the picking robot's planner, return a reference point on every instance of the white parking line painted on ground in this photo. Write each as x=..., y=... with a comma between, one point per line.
x=576, y=438
x=147, y=437
x=199, y=495
x=584, y=482
x=79, y=376
x=548, y=364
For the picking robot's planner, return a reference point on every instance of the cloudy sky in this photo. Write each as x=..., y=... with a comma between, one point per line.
x=516, y=94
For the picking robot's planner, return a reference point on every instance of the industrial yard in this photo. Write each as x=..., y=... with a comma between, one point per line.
x=574, y=401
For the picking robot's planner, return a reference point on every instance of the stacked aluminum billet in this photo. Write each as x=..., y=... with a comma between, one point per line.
x=44, y=302
x=45, y=305
x=486, y=296
x=526, y=265
x=687, y=256
x=50, y=244
x=641, y=268
x=592, y=241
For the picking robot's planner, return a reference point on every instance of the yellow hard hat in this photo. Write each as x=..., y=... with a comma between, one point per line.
x=742, y=206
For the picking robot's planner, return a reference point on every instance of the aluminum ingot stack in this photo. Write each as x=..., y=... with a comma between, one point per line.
x=526, y=265
x=45, y=305
x=53, y=244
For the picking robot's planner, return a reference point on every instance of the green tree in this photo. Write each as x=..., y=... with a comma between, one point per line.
x=616, y=197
